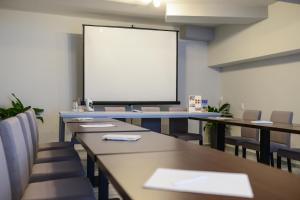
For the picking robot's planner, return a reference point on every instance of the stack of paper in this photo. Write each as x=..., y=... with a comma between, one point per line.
x=116, y=137
x=261, y=122
x=216, y=183
x=97, y=125
x=219, y=118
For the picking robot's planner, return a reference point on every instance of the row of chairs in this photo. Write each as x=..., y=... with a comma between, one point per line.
x=178, y=127
x=280, y=143
x=30, y=170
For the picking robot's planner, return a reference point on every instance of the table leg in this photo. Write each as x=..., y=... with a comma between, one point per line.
x=90, y=168
x=200, y=133
x=265, y=146
x=61, y=130
x=103, y=186
x=221, y=137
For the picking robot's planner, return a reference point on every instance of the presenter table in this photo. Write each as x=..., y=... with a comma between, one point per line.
x=129, y=172
x=63, y=116
x=264, y=133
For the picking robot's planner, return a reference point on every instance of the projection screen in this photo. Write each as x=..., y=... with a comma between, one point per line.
x=125, y=65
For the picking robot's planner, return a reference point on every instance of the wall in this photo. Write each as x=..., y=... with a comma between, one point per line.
x=41, y=61
x=277, y=35
x=265, y=85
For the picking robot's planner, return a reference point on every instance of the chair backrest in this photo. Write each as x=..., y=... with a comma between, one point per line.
x=284, y=117
x=5, y=187
x=251, y=115
x=150, y=109
x=33, y=129
x=177, y=109
x=22, y=117
x=16, y=155
x=114, y=109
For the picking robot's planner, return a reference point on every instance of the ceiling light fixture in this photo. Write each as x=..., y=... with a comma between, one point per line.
x=156, y=3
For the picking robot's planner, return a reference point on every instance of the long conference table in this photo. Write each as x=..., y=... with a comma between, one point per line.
x=68, y=116
x=265, y=130
x=128, y=165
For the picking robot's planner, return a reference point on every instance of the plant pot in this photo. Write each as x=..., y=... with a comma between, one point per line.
x=211, y=132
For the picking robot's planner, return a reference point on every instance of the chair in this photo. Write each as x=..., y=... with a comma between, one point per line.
x=35, y=135
x=54, y=152
x=247, y=134
x=14, y=164
x=153, y=124
x=51, y=170
x=278, y=140
x=291, y=153
x=116, y=109
x=178, y=127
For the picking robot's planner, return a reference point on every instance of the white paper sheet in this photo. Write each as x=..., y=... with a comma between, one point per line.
x=116, y=137
x=219, y=118
x=261, y=122
x=97, y=125
x=216, y=183
x=84, y=119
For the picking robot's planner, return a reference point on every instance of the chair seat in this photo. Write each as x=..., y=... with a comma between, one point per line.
x=290, y=153
x=237, y=140
x=54, y=145
x=255, y=145
x=56, y=155
x=56, y=170
x=187, y=136
x=70, y=188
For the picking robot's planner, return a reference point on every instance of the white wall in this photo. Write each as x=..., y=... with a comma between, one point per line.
x=265, y=85
x=268, y=84
x=41, y=61
x=276, y=35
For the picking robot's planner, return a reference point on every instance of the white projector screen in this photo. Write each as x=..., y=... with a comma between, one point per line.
x=130, y=65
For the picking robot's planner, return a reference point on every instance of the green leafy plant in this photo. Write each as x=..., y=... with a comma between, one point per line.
x=224, y=110
x=18, y=107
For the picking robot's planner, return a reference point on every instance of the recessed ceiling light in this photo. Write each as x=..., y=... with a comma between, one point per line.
x=156, y=3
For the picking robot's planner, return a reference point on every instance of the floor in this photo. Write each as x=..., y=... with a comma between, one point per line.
x=113, y=194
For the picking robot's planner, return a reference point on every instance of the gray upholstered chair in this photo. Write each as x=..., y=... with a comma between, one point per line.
x=290, y=154
x=153, y=124
x=54, y=154
x=51, y=170
x=278, y=140
x=34, y=129
x=247, y=134
x=178, y=127
x=14, y=162
x=116, y=109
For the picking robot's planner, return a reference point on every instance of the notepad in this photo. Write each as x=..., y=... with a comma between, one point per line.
x=215, y=183
x=83, y=119
x=116, y=137
x=97, y=125
x=261, y=122
x=219, y=118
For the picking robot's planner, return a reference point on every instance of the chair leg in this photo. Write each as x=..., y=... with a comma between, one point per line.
x=278, y=162
x=236, y=150
x=272, y=159
x=289, y=164
x=257, y=156
x=244, y=152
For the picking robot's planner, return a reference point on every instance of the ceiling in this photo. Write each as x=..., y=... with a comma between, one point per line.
x=199, y=12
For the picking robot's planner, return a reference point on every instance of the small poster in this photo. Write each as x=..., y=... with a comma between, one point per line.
x=195, y=103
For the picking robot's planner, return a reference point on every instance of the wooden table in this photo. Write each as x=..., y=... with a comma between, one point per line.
x=76, y=128
x=129, y=172
x=63, y=116
x=264, y=133
x=150, y=142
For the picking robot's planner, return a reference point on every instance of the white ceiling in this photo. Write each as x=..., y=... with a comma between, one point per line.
x=132, y=9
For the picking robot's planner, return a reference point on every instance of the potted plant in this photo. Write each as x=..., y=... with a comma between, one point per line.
x=18, y=107
x=210, y=128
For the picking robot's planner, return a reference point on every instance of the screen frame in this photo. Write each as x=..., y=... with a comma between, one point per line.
x=130, y=102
